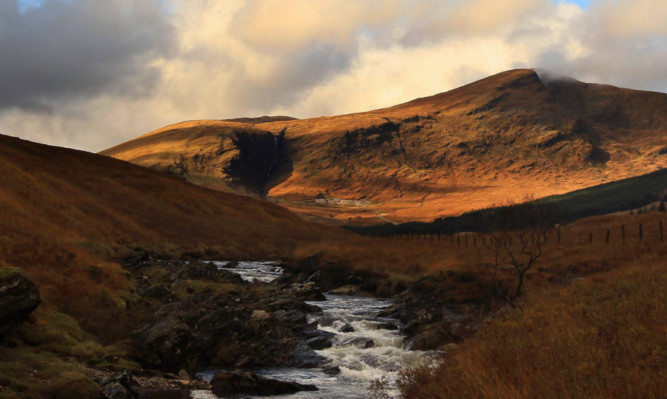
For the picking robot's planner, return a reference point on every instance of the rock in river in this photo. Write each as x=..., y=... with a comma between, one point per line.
x=245, y=383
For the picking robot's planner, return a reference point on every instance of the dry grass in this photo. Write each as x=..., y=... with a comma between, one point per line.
x=602, y=336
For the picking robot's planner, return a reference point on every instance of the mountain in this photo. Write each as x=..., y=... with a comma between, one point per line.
x=503, y=137
x=78, y=200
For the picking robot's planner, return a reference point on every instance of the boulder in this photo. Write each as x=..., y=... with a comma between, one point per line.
x=305, y=357
x=19, y=296
x=346, y=328
x=320, y=342
x=239, y=382
x=387, y=326
x=307, y=292
x=331, y=370
x=361, y=342
x=120, y=386
x=166, y=341
x=116, y=390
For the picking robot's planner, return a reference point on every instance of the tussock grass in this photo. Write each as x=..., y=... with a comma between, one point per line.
x=604, y=336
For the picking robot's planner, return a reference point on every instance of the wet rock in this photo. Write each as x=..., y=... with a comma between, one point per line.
x=331, y=370
x=305, y=357
x=312, y=333
x=244, y=383
x=307, y=292
x=387, y=326
x=410, y=328
x=355, y=290
x=346, y=328
x=361, y=342
x=18, y=298
x=321, y=342
x=327, y=321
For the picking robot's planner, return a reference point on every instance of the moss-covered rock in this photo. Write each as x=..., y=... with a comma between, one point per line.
x=18, y=298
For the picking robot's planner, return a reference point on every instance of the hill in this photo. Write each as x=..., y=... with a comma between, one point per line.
x=608, y=198
x=92, y=236
x=505, y=136
x=77, y=197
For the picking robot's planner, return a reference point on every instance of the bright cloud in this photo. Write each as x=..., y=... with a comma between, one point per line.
x=90, y=75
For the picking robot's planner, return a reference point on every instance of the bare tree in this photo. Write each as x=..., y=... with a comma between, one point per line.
x=519, y=232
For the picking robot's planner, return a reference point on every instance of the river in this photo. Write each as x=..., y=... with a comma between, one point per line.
x=366, y=351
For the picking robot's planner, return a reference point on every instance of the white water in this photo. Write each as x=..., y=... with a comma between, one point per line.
x=359, y=366
x=253, y=271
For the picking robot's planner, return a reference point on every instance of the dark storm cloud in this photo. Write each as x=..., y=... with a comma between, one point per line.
x=67, y=49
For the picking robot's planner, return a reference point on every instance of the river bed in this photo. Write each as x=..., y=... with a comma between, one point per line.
x=369, y=349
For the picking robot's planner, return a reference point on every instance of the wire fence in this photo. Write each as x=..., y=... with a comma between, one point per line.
x=653, y=231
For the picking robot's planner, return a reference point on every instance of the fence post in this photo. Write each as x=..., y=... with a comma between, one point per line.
x=606, y=240
x=590, y=237
x=623, y=232
x=662, y=237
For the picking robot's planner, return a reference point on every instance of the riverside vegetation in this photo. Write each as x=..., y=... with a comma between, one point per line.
x=98, y=287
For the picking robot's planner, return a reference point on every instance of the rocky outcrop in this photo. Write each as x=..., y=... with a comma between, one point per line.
x=441, y=309
x=19, y=296
x=120, y=386
x=240, y=325
x=244, y=383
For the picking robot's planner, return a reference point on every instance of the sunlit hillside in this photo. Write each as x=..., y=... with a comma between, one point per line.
x=493, y=140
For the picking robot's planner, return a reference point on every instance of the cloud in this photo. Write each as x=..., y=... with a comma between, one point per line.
x=621, y=42
x=93, y=74
x=61, y=50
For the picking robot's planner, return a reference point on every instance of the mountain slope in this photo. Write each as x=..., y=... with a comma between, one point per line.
x=78, y=198
x=501, y=137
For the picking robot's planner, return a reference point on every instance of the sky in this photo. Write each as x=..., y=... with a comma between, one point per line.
x=91, y=74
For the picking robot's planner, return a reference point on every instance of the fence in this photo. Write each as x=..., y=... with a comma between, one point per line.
x=624, y=233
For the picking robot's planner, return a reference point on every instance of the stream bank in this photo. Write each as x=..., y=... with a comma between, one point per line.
x=273, y=319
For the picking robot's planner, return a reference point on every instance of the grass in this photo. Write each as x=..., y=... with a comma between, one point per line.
x=101, y=210
x=603, y=199
x=602, y=336
x=44, y=359
x=31, y=374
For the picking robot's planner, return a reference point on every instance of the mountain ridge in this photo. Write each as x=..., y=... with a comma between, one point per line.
x=501, y=137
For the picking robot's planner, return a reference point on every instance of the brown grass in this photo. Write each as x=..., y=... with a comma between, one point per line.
x=593, y=325
x=603, y=337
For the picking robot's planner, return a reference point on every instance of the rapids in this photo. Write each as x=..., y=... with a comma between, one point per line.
x=359, y=362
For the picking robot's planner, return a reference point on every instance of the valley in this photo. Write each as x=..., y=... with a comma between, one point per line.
x=208, y=258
